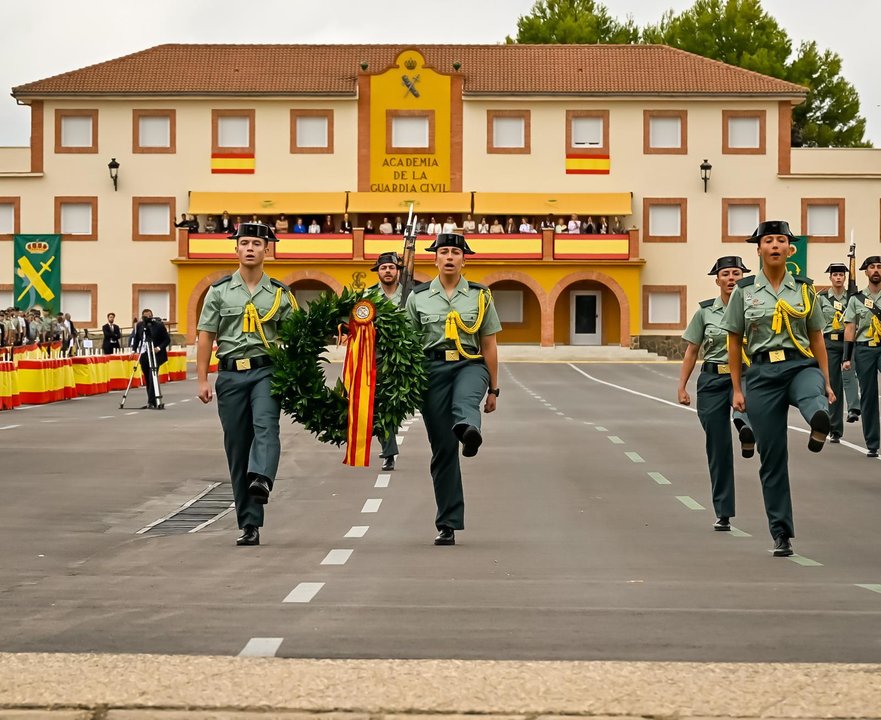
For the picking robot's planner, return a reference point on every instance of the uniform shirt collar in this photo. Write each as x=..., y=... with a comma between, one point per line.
x=237, y=281
x=718, y=306
x=462, y=287
x=762, y=281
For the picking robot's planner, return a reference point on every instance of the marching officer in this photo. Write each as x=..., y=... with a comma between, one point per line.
x=862, y=345
x=459, y=324
x=714, y=389
x=388, y=270
x=243, y=312
x=778, y=314
x=833, y=302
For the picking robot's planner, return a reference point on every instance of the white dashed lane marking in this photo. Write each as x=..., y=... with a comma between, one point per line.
x=383, y=480
x=615, y=440
x=304, y=592
x=805, y=562
x=106, y=417
x=737, y=532
x=9, y=427
x=658, y=478
x=690, y=502
x=337, y=557
x=871, y=587
x=133, y=412
x=599, y=428
x=261, y=647
x=635, y=457
x=357, y=531
x=371, y=505
x=400, y=439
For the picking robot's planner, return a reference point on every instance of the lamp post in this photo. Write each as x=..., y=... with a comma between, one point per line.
x=113, y=166
x=705, y=173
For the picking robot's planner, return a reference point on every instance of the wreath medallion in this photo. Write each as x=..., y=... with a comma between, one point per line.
x=300, y=383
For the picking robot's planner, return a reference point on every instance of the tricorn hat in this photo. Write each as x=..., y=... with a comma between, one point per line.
x=869, y=260
x=728, y=261
x=255, y=230
x=450, y=240
x=836, y=267
x=771, y=227
x=387, y=257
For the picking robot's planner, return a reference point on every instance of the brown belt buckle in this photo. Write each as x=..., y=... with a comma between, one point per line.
x=777, y=355
x=834, y=336
x=243, y=364
x=451, y=355
x=724, y=369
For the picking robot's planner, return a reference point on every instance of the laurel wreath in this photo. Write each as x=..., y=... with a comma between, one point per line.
x=300, y=383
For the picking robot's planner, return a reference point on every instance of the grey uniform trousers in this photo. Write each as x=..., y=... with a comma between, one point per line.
x=389, y=446
x=844, y=385
x=249, y=416
x=770, y=389
x=868, y=362
x=452, y=401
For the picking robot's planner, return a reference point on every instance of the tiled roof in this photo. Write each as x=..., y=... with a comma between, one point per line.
x=333, y=69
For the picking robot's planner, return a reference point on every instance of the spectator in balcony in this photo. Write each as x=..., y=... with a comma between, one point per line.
x=561, y=226
x=468, y=225
x=526, y=226
x=190, y=224
x=483, y=227
x=385, y=227
x=368, y=228
x=434, y=227
x=496, y=228
x=314, y=227
x=210, y=224
x=328, y=225
x=282, y=225
x=617, y=227
x=449, y=225
x=399, y=226
x=255, y=219
x=574, y=225
x=547, y=223
x=299, y=227
x=420, y=226
x=510, y=226
x=588, y=227
x=603, y=226
x=346, y=224
x=225, y=224
x=235, y=225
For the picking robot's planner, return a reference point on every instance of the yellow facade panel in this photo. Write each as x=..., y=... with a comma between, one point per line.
x=609, y=204
x=271, y=203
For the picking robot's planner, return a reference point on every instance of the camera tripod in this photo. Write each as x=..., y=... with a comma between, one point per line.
x=147, y=348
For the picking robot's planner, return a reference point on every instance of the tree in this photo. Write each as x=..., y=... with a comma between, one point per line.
x=571, y=22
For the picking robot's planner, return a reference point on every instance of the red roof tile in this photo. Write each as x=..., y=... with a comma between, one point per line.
x=333, y=69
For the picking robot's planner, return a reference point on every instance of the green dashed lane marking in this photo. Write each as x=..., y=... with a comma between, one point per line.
x=658, y=478
x=635, y=457
x=873, y=588
x=806, y=562
x=690, y=502
x=615, y=440
x=735, y=532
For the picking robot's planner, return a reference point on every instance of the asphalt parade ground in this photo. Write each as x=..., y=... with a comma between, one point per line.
x=588, y=538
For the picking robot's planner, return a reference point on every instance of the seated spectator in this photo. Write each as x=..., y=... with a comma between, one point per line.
x=191, y=224
x=299, y=227
x=385, y=227
x=574, y=225
x=210, y=224
x=399, y=226
x=483, y=227
x=368, y=228
x=617, y=227
x=346, y=225
x=420, y=226
x=282, y=225
x=561, y=226
x=547, y=223
x=603, y=227
x=589, y=227
x=434, y=227
x=327, y=227
x=525, y=226
x=235, y=225
x=510, y=226
x=468, y=225
x=314, y=227
x=225, y=224
x=449, y=225
x=255, y=219
x=496, y=228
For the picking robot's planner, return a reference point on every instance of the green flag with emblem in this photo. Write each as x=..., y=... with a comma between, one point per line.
x=798, y=261
x=37, y=272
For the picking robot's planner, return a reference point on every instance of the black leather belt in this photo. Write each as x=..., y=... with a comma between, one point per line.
x=243, y=364
x=773, y=356
x=834, y=336
x=716, y=368
x=869, y=343
x=445, y=355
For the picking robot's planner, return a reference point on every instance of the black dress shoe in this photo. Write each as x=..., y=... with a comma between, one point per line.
x=259, y=490
x=873, y=452
x=747, y=441
x=471, y=441
x=388, y=463
x=853, y=415
x=722, y=524
x=819, y=430
x=149, y=406
x=782, y=547
x=250, y=536
x=446, y=536
x=834, y=437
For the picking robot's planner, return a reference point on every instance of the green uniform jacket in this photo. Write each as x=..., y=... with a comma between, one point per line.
x=858, y=312
x=705, y=330
x=224, y=312
x=830, y=303
x=395, y=297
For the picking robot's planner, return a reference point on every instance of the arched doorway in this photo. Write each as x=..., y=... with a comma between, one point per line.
x=520, y=312
x=305, y=291
x=590, y=308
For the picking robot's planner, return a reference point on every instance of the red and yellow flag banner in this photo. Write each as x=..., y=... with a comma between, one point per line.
x=580, y=164
x=232, y=163
x=359, y=379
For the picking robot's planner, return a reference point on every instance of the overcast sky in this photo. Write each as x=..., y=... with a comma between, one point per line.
x=41, y=38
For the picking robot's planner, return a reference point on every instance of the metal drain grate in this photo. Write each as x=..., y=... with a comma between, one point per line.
x=210, y=505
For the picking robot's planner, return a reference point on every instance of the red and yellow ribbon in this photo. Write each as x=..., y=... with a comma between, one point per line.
x=359, y=378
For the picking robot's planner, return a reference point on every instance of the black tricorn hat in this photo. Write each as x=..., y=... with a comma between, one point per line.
x=869, y=260
x=771, y=227
x=255, y=230
x=728, y=261
x=450, y=240
x=836, y=267
x=387, y=257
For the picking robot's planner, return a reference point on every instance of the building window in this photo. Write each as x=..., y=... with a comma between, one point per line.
x=153, y=131
x=743, y=132
x=665, y=132
x=232, y=131
x=740, y=217
x=81, y=301
x=663, y=307
x=508, y=132
x=409, y=131
x=587, y=131
x=10, y=217
x=76, y=218
x=76, y=131
x=822, y=219
x=664, y=219
x=153, y=218
x=509, y=305
x=311, y=131
x=161, y=298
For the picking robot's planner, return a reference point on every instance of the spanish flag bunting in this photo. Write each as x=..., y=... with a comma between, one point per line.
x=359, y=379
x=232, y=163
x=578, y=164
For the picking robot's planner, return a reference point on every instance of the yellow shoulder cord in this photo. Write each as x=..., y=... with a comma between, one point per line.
x=293, y=301
x=253, y=321
x=784, y=311
x=454, y=324
x=744, y=356
x=874, y=332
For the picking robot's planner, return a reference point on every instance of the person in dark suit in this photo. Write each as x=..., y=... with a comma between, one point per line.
x=225, y=224
x=151, y=328
x=112, y=335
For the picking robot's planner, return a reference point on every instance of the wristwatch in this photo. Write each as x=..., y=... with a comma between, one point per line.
x=493, y=391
